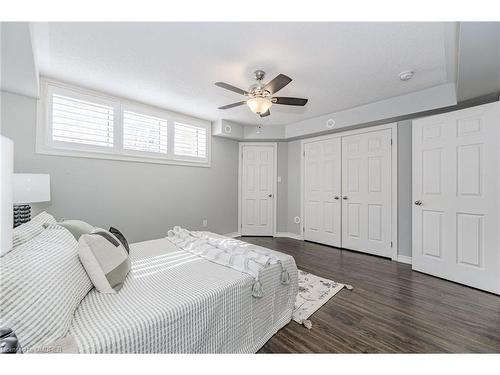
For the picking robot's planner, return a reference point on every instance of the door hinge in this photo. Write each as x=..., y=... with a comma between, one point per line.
x=391, y=141
x=241, y=225
x=391, y=243
x=304, y=153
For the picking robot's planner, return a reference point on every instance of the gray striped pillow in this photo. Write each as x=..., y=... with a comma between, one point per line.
x=31, y=229
x=43, y=282
x=105, y=259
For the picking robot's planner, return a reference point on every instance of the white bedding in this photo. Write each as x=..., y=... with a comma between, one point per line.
x=176, y=302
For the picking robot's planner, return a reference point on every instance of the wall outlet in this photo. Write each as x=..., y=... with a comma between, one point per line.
x=204, y=224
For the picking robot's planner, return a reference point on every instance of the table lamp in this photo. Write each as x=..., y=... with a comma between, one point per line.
x=29, y=188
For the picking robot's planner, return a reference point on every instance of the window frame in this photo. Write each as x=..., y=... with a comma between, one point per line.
x=45, y=145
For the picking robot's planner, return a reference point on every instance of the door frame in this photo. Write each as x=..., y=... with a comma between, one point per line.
x=393, y=126
x=275, y=182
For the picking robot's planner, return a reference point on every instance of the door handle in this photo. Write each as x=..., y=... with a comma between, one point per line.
x=270, y=195
x=344, y=197
x=336, y=197
x=418, y=203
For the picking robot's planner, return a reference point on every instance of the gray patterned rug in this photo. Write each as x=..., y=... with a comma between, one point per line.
x=314, y=292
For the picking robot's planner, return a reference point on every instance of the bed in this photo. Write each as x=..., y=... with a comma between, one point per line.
x=190, y=292
x=176, y=302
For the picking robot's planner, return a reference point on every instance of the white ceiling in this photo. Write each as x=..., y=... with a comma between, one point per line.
x=174, y=65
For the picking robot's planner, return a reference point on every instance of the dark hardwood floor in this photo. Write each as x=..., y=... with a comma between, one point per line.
x=391, y=309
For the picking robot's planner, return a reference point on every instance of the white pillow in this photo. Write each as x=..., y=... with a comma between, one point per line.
x=43, y=282
x=77, y=227
x=31, y=229
x=105, y=259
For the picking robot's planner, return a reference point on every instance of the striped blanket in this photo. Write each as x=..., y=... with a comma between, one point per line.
x=174, y=301
x=228, y=252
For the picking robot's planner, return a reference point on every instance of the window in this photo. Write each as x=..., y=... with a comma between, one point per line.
x=190, y=141
x=144, y=133
x=84, y=123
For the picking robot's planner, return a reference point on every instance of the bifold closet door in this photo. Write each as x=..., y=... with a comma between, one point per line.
x=322, y=191
x=456, y=196
x=257, y=186
x=366, y=192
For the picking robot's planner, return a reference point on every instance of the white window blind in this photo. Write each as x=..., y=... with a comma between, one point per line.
x=144, y=133
x=80, y=121
x=190, y=141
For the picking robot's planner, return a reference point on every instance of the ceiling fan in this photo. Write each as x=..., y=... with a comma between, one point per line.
x=260, y=95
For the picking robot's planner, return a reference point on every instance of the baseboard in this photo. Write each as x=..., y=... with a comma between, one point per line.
x=232, y=235
x=404, y=259
x=289, y=235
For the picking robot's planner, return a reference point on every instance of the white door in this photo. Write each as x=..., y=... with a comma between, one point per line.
x=257, y=190
x=322, y=190
x=456, y=194
x=366, y=192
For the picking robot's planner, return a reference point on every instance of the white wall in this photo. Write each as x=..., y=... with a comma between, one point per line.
x=143, y=200
x=424, y=100
x=18, y=65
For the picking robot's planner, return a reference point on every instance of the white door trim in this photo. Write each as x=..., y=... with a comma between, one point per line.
x=394, y=157
x=275, y=183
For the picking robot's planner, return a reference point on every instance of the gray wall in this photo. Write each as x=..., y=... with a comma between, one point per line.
x=404, y=187
x=293, y=186
x=143, y=200
x=282, y=204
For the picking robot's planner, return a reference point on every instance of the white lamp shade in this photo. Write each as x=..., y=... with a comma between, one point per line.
x=6, y=212
x=259, y=105
x=31, y=188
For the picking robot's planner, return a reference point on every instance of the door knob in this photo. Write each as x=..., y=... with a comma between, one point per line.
x=344, y=197
x=418, y=203
x=336, y=197
x=270, y=195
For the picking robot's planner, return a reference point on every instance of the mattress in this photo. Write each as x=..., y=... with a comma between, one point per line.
x=176, y=302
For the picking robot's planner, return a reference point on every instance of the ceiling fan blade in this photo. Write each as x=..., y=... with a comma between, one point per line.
x=289, y=101
x=267, y=113
x=232, y=105
x=229, y=87
x=277, y=83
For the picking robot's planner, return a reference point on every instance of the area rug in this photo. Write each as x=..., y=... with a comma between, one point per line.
x=314, y=292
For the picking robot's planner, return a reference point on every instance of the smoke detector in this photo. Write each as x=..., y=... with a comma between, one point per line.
x=406, y=75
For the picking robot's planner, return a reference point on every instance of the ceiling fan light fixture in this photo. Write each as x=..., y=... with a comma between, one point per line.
x=259, y=105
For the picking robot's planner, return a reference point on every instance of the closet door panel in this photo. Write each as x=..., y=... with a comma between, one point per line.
x=367, y=192
x=322, y=187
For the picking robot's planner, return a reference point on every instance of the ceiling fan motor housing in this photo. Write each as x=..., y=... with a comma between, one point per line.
x=259, y=75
